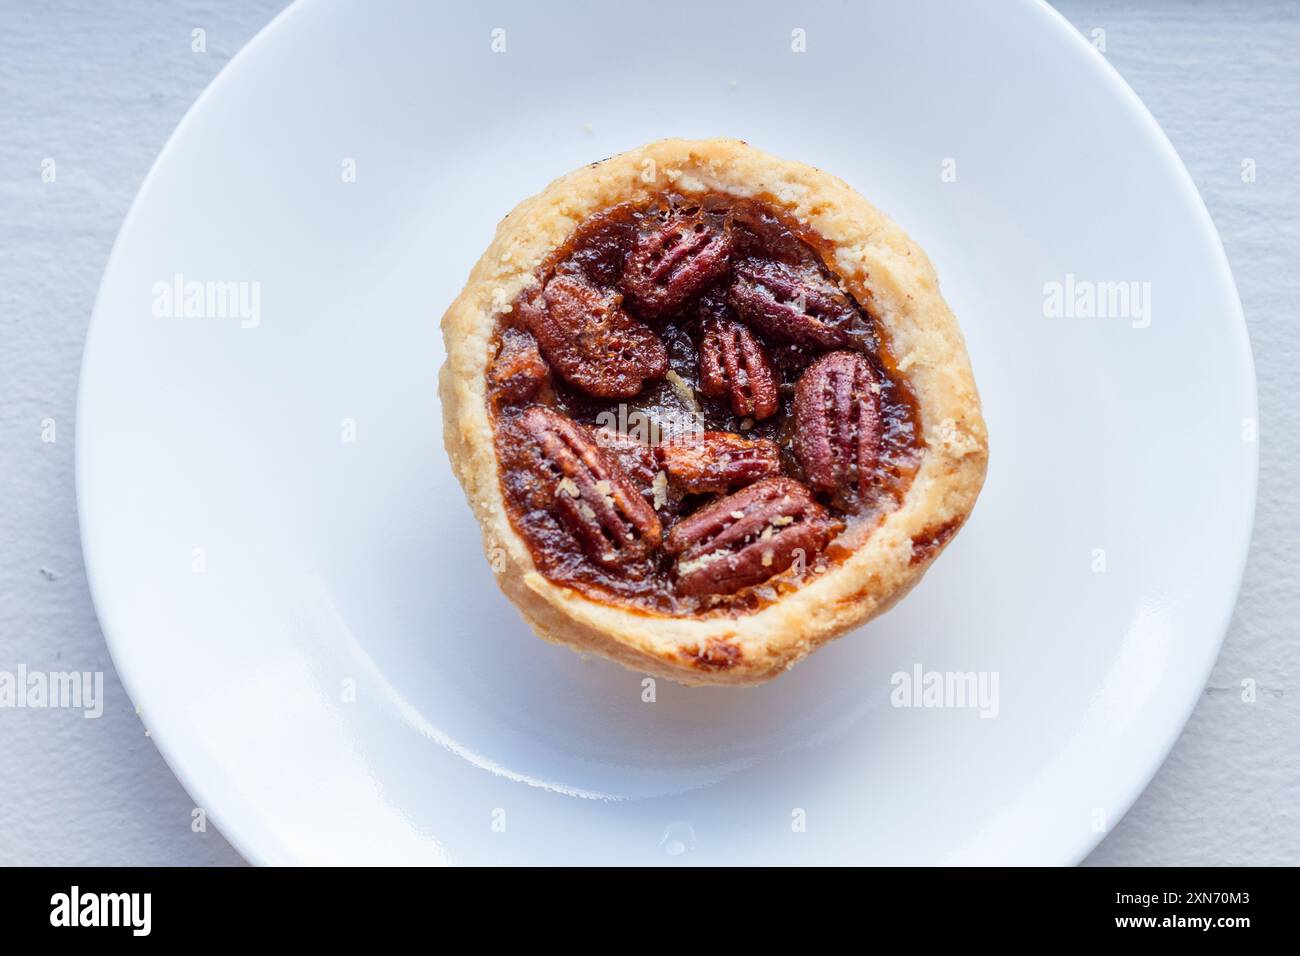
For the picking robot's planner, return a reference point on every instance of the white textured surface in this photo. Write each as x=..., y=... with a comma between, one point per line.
x=99, y=90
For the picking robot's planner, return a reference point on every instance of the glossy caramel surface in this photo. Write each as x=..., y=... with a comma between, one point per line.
x=673, y=404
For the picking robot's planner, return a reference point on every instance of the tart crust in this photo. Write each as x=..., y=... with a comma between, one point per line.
x=877, y=263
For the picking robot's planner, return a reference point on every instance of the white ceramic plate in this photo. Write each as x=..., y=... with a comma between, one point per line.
x=308, y=623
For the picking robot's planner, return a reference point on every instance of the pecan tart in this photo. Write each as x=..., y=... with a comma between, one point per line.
x=710, y=410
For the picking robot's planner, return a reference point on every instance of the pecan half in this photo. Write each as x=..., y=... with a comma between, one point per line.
x=676, y=260
x=573, y=479
x=837, y=425
x=599, y=247
x=638, y=461
x=585, y=334
x=734, y=364
x=793, y=305
x=748, y=537
x=717, y=461
x=519, y=371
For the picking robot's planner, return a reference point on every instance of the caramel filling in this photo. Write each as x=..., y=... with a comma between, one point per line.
x=693, y=416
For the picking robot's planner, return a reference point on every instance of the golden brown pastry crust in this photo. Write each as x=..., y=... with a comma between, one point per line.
x=878, y=263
